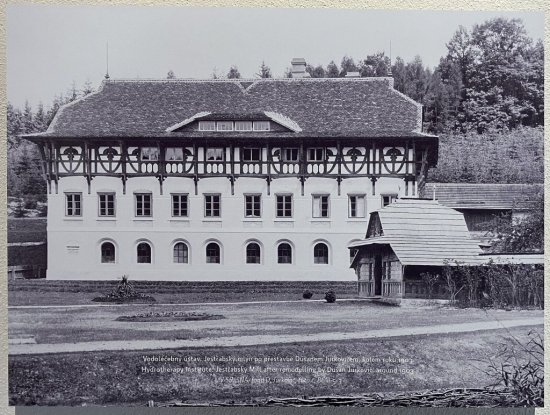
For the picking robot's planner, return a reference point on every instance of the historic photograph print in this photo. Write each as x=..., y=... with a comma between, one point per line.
x=274, y=207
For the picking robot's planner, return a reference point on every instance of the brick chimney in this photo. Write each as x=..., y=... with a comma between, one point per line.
x=299, y=68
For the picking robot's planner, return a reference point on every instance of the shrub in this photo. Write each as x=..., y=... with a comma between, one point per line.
x=307, y=295
x=30, y=203
x=330, y=296
x=124, y=292
x=520, y=368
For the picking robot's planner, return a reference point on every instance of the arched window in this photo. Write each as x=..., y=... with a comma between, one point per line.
x=284, y=253
x=181, y=253
x=144, y=253
x=213, y=253
x=253, y=253
x=107, y=253
x=320, y=254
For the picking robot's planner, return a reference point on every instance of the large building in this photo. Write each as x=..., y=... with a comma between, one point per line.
x=226, y=179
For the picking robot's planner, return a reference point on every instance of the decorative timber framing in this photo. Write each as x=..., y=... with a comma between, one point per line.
x=405, y=158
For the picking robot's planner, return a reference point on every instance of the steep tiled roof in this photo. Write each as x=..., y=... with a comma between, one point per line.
x=359, y=107
x=483, y=195
x=423, y=232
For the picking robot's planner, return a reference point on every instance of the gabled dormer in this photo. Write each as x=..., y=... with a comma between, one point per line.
x=253, y=122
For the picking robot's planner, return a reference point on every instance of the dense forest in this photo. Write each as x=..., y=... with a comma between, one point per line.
x=485, y=100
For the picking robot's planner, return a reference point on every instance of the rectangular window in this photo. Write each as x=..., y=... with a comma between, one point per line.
x=179, y=205
x=224, y=126
x=261, y=125
x=207, y=125
x=212, y=206
x=243, y=125
x=149, y=153
x=144, y=204
x=320, y=206
x=284, y=206
x=106, y=204
x=316, y=154
x=174, y=154
x=389, y=198
x=252, y=154
x=290, y=154
x=214, y=154
x=356, y=206
x=252, y=206
x=73, y=204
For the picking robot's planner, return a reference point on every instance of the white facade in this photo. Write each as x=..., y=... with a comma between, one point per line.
x=74, y=242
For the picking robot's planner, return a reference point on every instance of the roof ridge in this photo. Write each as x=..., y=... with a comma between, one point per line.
x=238, y=80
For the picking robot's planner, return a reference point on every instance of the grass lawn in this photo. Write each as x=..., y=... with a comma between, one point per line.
x=51, y=292
x=104, y=378
x=62, y=325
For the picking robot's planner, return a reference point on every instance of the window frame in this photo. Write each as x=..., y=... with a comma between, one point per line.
x=279, y=256
x=256, y=124
x=253, y=195
x=172, y=195
x=205, y=122
x=155, y=152
x=320, y=196
x=114, y=261
x=284, y=216
x=251, y=149
x=206, y=159
x=315, y=149
x=185, y=253
x=219, y=256
x=205, y=197
x=243, y=122
x=393, y=197
x=150, y=195
x=150, y=253
x=221, y=123
x=71, y=195
x=315, y=256
x=284, y=154
x=106, y=194
x=357, y=195
x=258, y=257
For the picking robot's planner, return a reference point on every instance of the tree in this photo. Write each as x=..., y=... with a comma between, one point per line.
x=347, y=65
x=375, y=65
x=264, y=71
x=498, y=72
x=316, y=72
x=332, y=70
x=233, y=73
x=40, y=119
x=171, y=74
x=87, y=88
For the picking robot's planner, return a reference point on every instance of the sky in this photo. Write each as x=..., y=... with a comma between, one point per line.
x=51, y=47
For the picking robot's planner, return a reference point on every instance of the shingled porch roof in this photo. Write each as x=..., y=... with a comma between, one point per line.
x=339, y=107
x=423, y=232
x=484, y=195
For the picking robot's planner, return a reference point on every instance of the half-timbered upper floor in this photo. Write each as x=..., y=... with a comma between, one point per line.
x=268, y=128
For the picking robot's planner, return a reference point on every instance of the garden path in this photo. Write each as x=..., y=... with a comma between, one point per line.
x=237, y=341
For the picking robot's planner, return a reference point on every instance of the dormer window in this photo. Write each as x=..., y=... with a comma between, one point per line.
x=207, y=125
x=224, y=126
x=261, y=126
x=243, y=125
